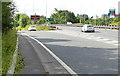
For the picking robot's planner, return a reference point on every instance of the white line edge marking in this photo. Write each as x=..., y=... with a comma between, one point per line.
x=57, y=58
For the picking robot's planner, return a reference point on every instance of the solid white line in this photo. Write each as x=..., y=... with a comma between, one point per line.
x=57, y=58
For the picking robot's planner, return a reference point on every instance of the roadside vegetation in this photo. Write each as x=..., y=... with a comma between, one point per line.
x=0, y=53
x=19, y=64
x=116, y=21
x=9, y=35
x=8, y=48
x=38, y=27
x=22, y=20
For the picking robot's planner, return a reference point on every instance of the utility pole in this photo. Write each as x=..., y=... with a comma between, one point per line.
x=105, y=20
x=46, y=8
x=65, y=18
x=84, y=18
x=33, y=13
x=80, y=19
x=33, y=7
x=96, y=20
x=46, y=12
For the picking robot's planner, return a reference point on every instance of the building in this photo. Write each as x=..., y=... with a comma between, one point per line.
x=111, y=13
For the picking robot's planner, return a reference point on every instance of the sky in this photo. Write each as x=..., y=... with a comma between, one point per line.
x=89, y=7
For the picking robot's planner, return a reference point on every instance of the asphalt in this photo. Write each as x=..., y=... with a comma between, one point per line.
x=105, y=33
x=82, y=55
x=32, y=63
x=37, y=59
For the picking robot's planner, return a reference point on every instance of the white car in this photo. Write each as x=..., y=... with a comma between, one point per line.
x=88, y=28
x=32, y=28
x=69, y=22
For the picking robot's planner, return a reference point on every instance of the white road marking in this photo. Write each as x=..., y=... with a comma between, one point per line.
x=57, y=58
x=106, y=39
x=84, y=35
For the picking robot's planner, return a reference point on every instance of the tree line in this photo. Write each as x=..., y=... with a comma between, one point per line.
x=64, y=16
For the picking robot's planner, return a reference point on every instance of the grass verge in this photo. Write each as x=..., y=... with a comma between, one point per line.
x=19, y=64
x=8, y=48
x=116, y=23
x=38, y=27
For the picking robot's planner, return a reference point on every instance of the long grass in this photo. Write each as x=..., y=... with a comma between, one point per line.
x=0, y=53
x=8, y=48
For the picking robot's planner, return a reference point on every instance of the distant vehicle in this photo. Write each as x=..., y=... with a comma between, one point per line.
x=32, y=28
x=54, y=27
x=88, y=28
x=69, y=22
x=48, y=24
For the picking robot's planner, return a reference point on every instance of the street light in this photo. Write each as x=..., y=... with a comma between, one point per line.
x=46, y=12
x=33, y=7
x=46, y=8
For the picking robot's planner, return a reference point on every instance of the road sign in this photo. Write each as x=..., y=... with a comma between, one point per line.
x=35, y=17
x=50, y=20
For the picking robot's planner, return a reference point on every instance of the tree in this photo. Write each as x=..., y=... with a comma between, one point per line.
x=63, y=16
x=21, y=20
x=83, y=18
x=8, y=9
x=117, y=19
x=16, y=19
x=42, y=20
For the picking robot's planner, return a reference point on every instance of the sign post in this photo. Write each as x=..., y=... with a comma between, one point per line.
x=50, y=20
x=35, y=18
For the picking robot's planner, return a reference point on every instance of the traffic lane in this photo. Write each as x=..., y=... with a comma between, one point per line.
x=82, y=55
x=109, y=34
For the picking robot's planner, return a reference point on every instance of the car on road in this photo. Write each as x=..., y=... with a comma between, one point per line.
x=88, y=28
x=69, y=22
x=54, y=27
x=32, y=28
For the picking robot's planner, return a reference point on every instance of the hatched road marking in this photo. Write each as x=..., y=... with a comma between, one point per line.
x=82, y=35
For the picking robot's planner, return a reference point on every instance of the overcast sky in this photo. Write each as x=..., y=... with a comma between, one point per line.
x=90, y=7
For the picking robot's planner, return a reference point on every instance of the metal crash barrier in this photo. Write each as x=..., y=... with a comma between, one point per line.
x=116, y=27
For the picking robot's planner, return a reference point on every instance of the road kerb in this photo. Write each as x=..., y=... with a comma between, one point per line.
x=12, y=67
x=57, y=58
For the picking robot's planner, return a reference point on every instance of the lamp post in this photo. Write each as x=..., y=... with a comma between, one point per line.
x=46, y=12
x=46, y=8
x=33, y=14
